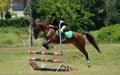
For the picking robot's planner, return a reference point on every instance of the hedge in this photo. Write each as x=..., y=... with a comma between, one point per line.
x=16, y=22
x=109, y=34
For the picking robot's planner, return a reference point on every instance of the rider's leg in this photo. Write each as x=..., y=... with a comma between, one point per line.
x=64, y=38
x=62, y=32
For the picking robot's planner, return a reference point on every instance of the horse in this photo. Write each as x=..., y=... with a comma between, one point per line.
x=78, y=39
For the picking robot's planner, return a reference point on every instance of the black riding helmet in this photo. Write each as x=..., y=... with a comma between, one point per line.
x=53, y=14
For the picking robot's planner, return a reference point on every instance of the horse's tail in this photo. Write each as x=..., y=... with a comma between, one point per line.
x=91, y=39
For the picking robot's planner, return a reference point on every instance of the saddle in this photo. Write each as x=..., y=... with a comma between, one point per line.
x=67, y=32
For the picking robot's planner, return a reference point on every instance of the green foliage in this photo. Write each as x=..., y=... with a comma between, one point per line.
x=70, y=11
x=112, y=12
x=109, y=34
x=96, y=7
x=16, y=22
x=26, y=10
x=4, y=6
x=79, y=14
x=13, y=13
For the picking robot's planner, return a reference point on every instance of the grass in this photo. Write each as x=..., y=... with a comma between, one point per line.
x=13, y=59
x=13, y=35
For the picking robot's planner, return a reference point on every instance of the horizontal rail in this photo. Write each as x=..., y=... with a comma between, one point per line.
x=62, y=68
x=51, y=69
x=46, y=53
x=45, y=60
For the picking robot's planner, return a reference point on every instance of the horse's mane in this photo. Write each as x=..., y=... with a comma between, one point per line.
x=42, y=22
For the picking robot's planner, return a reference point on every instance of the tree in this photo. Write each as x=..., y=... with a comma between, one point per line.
x=96, y=7
x=110, y=12
x=79, y=14
x=4, y=6
x=117, y=6
x=69, y=10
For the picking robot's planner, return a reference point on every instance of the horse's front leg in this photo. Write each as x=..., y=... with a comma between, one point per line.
x=45, y=44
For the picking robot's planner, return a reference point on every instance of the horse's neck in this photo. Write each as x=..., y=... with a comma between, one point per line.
x=47, y=30
x=44, y=28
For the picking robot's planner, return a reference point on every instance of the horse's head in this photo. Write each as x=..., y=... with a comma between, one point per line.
x=39, y=26
x=35, y=30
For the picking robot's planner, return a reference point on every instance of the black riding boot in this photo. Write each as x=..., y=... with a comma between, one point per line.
x=64, y=38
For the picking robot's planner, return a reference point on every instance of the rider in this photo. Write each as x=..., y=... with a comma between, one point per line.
x=55, y=23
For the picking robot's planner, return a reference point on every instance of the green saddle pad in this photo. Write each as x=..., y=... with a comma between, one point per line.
x=68, y=33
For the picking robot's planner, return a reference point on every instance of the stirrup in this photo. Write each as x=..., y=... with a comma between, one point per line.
x=64, y=39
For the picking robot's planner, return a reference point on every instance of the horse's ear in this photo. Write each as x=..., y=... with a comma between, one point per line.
x=33, y=25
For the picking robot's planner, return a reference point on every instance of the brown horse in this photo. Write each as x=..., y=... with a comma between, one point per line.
x=77, y=39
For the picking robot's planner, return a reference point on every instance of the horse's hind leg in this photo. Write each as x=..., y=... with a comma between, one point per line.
x=82, y=49
x=87, y=58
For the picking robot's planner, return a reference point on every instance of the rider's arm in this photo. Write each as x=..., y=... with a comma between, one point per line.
x=52, y=26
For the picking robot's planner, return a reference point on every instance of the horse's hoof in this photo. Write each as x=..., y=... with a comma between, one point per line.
x=47, y=48
x=89, y=65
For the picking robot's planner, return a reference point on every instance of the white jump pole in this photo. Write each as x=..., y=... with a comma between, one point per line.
x=60, y=39
x=30, y=28
x=30, y=32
